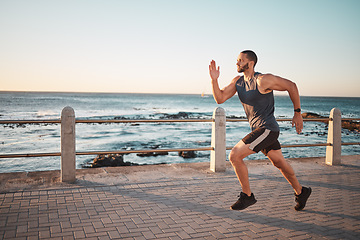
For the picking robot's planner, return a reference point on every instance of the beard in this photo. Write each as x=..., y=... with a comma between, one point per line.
x=244, y=68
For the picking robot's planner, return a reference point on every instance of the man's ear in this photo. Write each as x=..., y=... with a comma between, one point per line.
x=251, y=64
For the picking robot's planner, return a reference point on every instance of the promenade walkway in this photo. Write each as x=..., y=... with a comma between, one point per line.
x=181, y=201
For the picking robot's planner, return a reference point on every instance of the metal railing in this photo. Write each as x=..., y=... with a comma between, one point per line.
x=219, y=122
x=100, y=121
x=58, y=121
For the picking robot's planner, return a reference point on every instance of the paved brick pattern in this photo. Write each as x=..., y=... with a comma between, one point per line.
x=185, y=208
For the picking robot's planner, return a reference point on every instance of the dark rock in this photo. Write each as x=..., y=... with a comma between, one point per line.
x=314, y=115
x=311, y=115
x=121, y=118
x=180, y=115
x=351, y=125
x=160, y=153
x=235, y=117
x=188, y=154
x=347, y=124
x=110, y=160
x=151, y=154
x=145, y=154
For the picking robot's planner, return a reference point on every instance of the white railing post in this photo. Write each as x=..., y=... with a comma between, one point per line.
x=333, y=151
x=218, y=141
x=68, y=154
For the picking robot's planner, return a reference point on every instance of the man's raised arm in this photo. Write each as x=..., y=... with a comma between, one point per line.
x=220, y=95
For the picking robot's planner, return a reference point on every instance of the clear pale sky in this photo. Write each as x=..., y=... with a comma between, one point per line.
x=165, y=46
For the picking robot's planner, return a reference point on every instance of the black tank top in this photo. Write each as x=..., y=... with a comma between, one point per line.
x=259, y=108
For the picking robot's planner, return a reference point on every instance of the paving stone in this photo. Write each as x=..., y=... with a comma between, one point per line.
x=196, y=207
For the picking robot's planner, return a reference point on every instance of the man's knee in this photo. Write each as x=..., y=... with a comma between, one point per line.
x=236, y=156
x=232, y=156
x=239, y=152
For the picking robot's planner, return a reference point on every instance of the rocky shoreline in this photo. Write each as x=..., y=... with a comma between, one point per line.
x=113, y=160
x=117, y=160
x=346, y=124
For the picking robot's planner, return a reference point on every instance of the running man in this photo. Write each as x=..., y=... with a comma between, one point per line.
x=255, y=91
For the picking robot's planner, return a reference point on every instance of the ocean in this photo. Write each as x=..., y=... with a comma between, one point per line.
x=42, y=138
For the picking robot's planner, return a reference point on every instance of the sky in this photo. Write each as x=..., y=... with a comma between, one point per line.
x=164, y=46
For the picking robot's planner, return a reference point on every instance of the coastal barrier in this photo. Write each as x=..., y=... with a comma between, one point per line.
x=218, y=140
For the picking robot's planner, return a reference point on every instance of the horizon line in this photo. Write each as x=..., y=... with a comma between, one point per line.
x=159, y=93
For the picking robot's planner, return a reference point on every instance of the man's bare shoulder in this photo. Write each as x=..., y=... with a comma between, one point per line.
x=265, y=82
x=235, y=79
x=265, y=76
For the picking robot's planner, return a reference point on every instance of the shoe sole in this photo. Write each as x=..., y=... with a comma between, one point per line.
x=244, y=207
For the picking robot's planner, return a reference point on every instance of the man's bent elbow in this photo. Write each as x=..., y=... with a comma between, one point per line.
x=292, y=88
x=218, y=100
x=295, y=88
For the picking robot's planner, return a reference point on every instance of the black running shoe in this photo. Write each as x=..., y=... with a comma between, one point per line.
x=302, y=198
x=243, y=202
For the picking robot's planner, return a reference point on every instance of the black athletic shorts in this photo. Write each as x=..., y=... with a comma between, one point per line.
x=263, y=140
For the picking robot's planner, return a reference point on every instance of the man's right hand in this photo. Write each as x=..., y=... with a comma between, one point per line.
x=214, y=72
x=221, y=95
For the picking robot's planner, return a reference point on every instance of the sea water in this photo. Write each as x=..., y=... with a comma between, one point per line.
x=44, y=138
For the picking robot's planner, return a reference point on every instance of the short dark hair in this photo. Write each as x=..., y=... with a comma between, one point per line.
x=251, y=56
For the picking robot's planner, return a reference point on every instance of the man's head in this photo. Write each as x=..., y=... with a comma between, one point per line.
x=247, y=59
